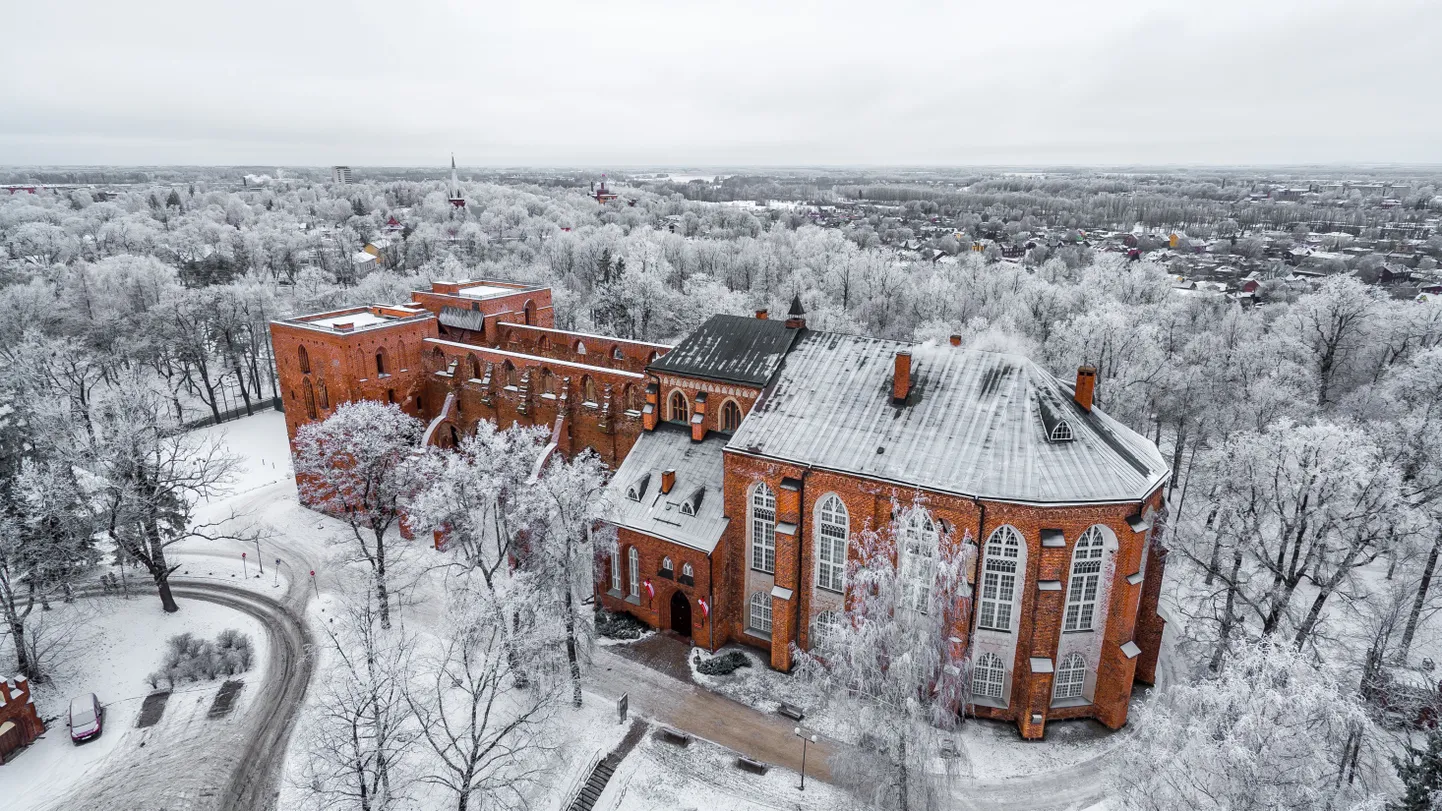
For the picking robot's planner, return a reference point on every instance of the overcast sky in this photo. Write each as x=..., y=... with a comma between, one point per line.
x=626, y=83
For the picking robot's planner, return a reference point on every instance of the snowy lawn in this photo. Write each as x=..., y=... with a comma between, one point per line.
x=116, y=643
x=660, y=776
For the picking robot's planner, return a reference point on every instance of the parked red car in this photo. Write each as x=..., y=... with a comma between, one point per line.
x=87, y=716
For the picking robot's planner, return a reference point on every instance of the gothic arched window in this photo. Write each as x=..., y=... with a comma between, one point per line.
x=633, y=571
x=730, y=416
x=988, y=676
x=1082, y=586
x=763, y=528
x=833, y=527
x=680, y=407
x=919, y=540
x=759, y=617
x=998, y=581
x=1070, y=677
x=304, y=358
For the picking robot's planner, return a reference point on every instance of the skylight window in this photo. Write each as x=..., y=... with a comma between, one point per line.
x=637, y=490
x=1062, y=432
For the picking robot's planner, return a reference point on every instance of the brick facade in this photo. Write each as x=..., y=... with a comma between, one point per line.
x=20, y=724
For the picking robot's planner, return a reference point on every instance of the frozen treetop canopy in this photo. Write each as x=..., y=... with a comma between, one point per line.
x=730, y=349
x=691, y=513
x=975, y=423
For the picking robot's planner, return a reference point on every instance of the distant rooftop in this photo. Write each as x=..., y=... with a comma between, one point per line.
x=977, y=424
x=730, y=349
x=359, y=318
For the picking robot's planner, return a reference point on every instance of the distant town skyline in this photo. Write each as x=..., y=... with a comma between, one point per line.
x=631, y=83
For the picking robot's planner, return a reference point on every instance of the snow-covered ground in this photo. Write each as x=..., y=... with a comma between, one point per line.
x=116, y=644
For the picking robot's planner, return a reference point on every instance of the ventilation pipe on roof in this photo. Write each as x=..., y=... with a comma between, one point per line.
x=1086, y=383
x=901, y=377
x=668, y=480
x=761, y=314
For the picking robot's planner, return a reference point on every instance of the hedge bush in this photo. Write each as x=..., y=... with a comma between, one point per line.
x=190, y=659
x=618, y=626
x=725, y=664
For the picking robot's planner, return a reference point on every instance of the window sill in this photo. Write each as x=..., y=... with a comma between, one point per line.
x=840, y=592
x=759, y=634
x=1006, y=631
x=1081, y=631
x=1079, y=701
x=985, y=701
x=772, y=572
x=634, y=599
x=613, y=593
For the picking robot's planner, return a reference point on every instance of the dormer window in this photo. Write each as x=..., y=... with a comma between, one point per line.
x=1061, y=432
x=637, y=490
x=693, y=502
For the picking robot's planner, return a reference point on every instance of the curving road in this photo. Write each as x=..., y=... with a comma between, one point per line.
x=231, y=764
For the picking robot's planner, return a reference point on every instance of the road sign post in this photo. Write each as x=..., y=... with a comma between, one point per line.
x=244, y=570
x=277, y=571
x=313, y=585
x=622, y=705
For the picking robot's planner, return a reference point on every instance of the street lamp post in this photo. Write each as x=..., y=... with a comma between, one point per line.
x=806, y=737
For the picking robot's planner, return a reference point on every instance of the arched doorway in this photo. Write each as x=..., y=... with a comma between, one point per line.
x=680, y=613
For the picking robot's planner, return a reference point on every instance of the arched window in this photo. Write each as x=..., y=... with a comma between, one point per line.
x=680, y=407
x=631, y=398
x=580, y=348
x=988, y=676
x=304, y=358
x=308, y=393
x=998, y=581
x=666, y=565
x=380, y=361
x=616, y=570
x=633, y=566
x=763, y=528
x=528, y=312
x=617, y=354
x=730, y=416
x=919, y=539
x=833, y=527
x=1086, y=568
x=548, y=382
x=324, y=396
x=440, y=359
x=474, y=365
x=759, y=617
x=823, y=627
x=588, y=390
x=1070, y=677
x=687, y=571
x=651, y=358
x=544, y=342
x=508, y=374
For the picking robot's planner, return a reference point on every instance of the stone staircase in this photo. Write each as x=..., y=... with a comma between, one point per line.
x=585, y=799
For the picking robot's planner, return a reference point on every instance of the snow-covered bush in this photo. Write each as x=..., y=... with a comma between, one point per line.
x=725, y=664
x=618, y=626
x=190, y=659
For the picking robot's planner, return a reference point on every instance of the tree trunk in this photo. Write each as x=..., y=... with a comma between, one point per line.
x=1313, y=614
x=571, y=652
x=903, y=798
x=1421, y=599
x=23, y=663
x=1228, y=617
x=382, y=597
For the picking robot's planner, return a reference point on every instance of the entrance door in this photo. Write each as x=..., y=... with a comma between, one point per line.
x=680, y=613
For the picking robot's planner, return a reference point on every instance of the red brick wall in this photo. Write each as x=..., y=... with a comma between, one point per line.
x=19, y=708
x=716, y=395
x=497, y=310
x=606, y=426
x=657, y=611
x=557, y=344
x=345, y=362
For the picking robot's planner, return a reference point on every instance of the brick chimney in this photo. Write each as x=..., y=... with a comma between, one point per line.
x=698, y=418
x=668, y=481
x=901, y=377
x=761, y=314
x=956, y=340
x=1086, y=383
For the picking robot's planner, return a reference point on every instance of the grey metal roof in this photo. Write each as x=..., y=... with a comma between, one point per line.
x=473, y=320
x=699, y=472
x=730, y=349
x=972, y=425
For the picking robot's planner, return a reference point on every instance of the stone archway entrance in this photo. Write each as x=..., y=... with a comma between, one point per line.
x=680, y=613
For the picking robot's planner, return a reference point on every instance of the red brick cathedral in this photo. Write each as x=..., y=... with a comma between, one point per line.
x=746, y=457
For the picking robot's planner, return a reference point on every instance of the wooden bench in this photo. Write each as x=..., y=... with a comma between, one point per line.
x=791, y=711
x=754, y=766
x=673, y=735
x=948, y=748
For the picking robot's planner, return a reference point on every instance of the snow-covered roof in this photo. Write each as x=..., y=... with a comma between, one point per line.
x=972, y=425
x=634, y=497
x=730, y=349
x=362, y=318
x=486, y=291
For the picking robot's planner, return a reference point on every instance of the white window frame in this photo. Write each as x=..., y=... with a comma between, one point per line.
x=833, y=529
x=687, y=571
x=988, y=677
x=633, y=565
x=666, y=564
x=762, y=511
x=616, y=570
x=721, y=417
x=920, y=540
x=823, y=626
x=1070, y=678
x=1000, y=580
x=759, y=616
x=1084, y=584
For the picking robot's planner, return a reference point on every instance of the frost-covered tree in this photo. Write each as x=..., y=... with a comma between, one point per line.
x=355, y=466
x=892, y=662
x=1420, y=769
x=562, y=514
x=486, y=732
x=1334, y=322
x=1268, y=733
x=149, y=476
